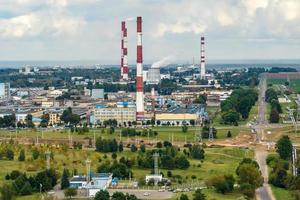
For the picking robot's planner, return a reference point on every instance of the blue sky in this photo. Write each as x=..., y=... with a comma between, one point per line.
x=90, y=29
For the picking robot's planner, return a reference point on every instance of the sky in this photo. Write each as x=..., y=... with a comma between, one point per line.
x=90, y=29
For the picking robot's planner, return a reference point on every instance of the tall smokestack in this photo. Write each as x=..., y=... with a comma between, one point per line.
x=123, y=26
x=202, y=58
x=125, y=58
x=139, y=72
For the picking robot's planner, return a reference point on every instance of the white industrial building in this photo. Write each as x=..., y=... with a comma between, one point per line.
x=97, y=93
x=4, y=90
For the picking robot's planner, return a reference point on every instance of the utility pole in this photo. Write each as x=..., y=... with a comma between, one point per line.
x=211, y=134
x=88, y=170
x=48, y=153
x=294, y=161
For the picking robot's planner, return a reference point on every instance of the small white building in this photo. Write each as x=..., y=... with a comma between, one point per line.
x=156, y=177
x=98, y=182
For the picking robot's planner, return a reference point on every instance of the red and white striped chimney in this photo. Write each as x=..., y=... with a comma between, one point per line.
x=123, y=25
x=202, y=58
x=125, y=53
x=139, y=72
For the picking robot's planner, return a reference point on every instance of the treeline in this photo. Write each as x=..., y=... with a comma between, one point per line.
x=133, y=132
x=272, y=99
x=238, y=104
x=108, y=145
x=280, y=175
x=282, y=69
x=8, y=121
x=247, y=77
x=170, y=156
x=24, y=185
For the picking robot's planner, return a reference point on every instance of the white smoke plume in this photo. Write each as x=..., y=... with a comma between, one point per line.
x=163, y=62
x=130, y=19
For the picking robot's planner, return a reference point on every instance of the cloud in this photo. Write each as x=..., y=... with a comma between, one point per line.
x=53, y=20
x=170, y=27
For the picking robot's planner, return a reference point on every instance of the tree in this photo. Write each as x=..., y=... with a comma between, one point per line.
x=229, y=135
x=198, y=195
x=70, y=192
x=114, y=155
x=183, y=197
x=131, y=197
x=223, y=184
x=121, y=147
x=102, y=195
x=6, y=192
x=29, y=122
x=201, y=99
x=35, y=154
x=182, y=162
x=9, y=154
x=250, y=174
x=197, y=152
x=133, y=148
x=143, y=148
x=284, y=147
x=118, y=196
x=274, y=116
x=65, y=179
x=22, y=155
x=184, y=128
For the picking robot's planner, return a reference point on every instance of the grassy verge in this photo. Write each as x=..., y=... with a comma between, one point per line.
x=281, y=193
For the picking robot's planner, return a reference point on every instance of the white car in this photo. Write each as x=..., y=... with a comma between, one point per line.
x=146, y=194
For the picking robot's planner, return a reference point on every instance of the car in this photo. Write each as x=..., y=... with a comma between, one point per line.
x=161, y=190
x=146, y=194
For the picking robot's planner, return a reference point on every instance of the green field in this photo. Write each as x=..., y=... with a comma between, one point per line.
x=218, y=161
x=294, y=83
x=164, y=133
x=281, y=193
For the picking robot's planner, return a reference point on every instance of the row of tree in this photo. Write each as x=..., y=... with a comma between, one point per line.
x=280, y=175
x=24, y=185
x=238, y=104
x=272, y=98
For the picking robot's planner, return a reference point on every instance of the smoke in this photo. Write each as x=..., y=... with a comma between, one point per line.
x=130, y=19
x=163, y=62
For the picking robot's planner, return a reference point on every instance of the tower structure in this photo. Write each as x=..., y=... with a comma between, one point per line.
x=202, y=58
x=48, y=154
x=155, y=157
x=123, y=25
x=125, y=53
x=139, y=73
x=88, y=170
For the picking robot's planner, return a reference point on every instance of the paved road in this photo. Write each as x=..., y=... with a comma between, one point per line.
x=264, y=192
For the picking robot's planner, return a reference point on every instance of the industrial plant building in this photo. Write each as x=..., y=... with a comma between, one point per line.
x=123, y=113
x=4, y=90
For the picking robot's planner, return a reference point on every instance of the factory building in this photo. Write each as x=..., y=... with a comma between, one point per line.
x=97, y=93
x=4, y=90
x=176, y=118
x=123, y=114
x=98, y=182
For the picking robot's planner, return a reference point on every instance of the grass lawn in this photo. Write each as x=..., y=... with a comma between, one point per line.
x=164, y=133
x=217, y=161
x=294, y=83
x=281, y=193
